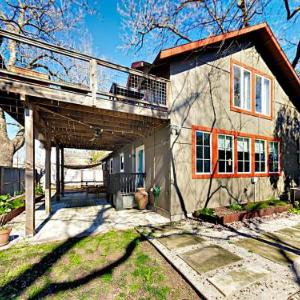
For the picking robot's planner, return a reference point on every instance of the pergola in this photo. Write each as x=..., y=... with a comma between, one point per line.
x=81, y=113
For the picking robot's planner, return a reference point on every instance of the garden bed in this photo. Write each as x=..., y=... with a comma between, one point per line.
x=238, y=212
x=17, y=211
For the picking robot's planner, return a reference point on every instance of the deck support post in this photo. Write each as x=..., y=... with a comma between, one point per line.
x=62, y=174
x=48, y=179
x=93, y=80
x=57, y=174
x=29, y=171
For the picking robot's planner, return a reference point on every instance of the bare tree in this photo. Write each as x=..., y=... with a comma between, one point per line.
x=53, y=21
x=165, y=23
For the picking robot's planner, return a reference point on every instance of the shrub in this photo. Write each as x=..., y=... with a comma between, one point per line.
x=204, y=212
x=236, y=206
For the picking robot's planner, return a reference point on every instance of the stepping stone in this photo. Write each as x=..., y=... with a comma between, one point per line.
x=235, y=280
x=267, y=250
x=209, y=258
x=176, y=241
x=297, y=226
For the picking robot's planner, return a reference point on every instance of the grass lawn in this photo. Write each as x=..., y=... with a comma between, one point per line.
x=114, y=265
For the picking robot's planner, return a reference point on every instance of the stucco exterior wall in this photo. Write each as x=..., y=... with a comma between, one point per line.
x=201, y=96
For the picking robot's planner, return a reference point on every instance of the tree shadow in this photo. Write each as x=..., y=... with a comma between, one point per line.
x=15, y=287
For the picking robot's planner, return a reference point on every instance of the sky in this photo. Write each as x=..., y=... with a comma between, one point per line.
x=106, y=31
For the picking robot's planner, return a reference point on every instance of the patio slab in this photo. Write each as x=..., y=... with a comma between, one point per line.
x=235, y=280
x=176, y=241
x=209, y=258
x=268, y=249
x=67, y=221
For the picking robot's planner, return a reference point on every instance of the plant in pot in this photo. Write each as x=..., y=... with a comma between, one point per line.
x=5, y=207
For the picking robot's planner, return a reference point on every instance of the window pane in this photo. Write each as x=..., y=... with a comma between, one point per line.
x=199, y=166
x=199, y=152
x=266, y=96
x=199, y=136
x=240, y=166
x=222, y=166
x=206, y=152
x=258, y=98
x=237, y=86
x=206, y=139
x=247, y=90
x=207, y=166
x=247, y=166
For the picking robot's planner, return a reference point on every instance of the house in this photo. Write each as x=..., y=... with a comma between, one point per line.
x=233, y=124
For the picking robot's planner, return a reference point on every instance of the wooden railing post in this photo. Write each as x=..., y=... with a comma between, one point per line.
x=93, y=79
x=48, y=179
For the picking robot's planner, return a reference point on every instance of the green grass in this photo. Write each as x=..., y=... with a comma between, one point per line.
x=252, y=206
x=204, y=212
x=77, y=265
x=236, y=207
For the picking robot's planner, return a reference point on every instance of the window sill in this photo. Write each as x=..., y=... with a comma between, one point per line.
x=250, y=113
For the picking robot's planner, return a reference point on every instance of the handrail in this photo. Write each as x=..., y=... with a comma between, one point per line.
x=76, y=54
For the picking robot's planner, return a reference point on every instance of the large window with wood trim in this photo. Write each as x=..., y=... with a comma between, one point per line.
x=218, y=153
x=251, y=91
x=225, y=153
x=203, y=152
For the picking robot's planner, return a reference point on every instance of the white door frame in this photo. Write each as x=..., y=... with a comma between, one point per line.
x=137, y=149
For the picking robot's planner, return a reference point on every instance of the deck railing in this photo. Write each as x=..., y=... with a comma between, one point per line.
x=126, y=183
x=66, y=69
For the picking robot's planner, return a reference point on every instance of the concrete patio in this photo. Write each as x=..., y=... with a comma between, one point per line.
x=79, y=215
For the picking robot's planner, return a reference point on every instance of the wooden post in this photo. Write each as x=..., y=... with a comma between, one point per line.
x=48, y=179
x=29, y=172
x=93, y=79
x=57, y=174
x=62, y=175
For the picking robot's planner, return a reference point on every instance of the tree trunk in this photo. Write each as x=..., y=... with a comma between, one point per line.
x=8, y=147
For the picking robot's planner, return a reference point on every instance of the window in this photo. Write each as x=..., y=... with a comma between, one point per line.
x=203, y=155
x=110, y=166
x=243, y=150
x=274, y=157
x=262, y=95
x=241, y=88
x=260, y=156
x=122, y=162
x=225, y=153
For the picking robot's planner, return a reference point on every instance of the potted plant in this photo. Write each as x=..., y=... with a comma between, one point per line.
x=5, y=207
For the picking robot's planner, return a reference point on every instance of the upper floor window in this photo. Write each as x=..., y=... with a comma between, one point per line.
x=122, y=162
x=274, y=157
x=203, y=152
x=260, y=156
x=243, y=150
x=225, y=153
x=262, y=95
x=241, y=88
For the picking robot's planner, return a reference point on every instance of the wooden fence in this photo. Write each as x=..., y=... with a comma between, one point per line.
x=12, y=180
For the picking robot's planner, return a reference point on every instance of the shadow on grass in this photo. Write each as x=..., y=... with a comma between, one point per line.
x=23, y=281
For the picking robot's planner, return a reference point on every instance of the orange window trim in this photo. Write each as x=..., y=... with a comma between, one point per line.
x=214, y=159
x=254, y=72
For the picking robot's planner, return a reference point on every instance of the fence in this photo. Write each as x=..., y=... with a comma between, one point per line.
x=126, y=183
x=12, y=180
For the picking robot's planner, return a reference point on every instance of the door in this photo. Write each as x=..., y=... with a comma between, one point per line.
x=140, y=165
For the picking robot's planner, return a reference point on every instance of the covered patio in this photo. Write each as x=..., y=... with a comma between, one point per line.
x=78, y=215
x=82, y=103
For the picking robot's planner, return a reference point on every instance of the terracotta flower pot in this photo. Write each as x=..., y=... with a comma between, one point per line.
x=4, y=236
x=141, y=198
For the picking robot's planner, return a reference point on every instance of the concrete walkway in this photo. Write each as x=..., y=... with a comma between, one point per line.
x=79, y=215
x=259, y=259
